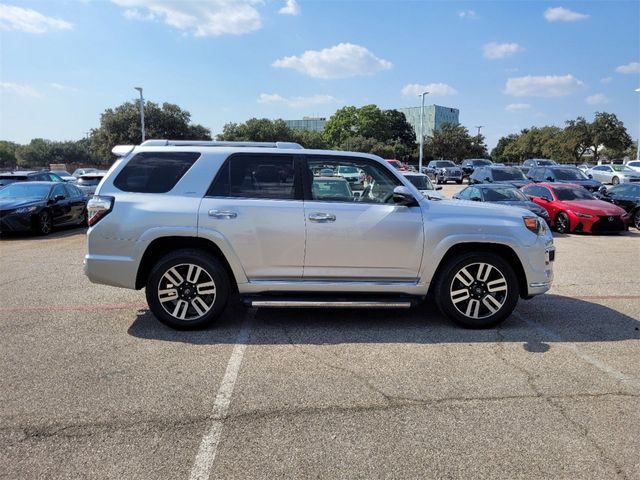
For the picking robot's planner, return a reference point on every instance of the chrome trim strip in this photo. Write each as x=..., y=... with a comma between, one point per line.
x=329, y=304
x=349, y=282
x=540, y=284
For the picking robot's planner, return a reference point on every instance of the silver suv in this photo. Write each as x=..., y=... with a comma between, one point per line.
x=192, y=222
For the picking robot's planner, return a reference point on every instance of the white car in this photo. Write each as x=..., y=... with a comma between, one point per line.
x=349, y=173
x=423, y=183
x=614, y=174
x=634, y=165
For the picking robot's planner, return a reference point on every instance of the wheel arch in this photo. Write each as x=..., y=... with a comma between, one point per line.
x=163, y=245
x=499, y=249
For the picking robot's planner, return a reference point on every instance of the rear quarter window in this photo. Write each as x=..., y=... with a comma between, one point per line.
x=154, y=172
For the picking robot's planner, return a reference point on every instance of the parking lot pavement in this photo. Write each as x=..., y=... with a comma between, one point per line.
x=92, y=386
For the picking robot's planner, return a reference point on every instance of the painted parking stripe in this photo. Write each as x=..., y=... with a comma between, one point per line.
x=590, y=359
x=209, y=445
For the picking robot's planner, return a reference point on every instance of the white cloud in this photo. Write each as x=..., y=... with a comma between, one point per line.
x=435, y=89
x=543, y=86
x=295, y=102
x=631, y=67
x=467, y=14
x=496, y=50
x=202, y=17
x=20, y=90
x=59, y=86
x=514, y=107
x=606, y=80
x=30, y=21
x=291, y=8
x=597, y=99
x=560, y=14
x=342, y=61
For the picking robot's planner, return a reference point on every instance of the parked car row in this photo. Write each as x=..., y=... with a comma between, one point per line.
x=566, y=207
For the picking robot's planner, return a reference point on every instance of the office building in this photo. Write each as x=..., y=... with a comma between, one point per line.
x=434, y=117
x=314, y=124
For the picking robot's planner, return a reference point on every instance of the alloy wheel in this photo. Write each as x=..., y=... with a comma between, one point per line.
x=636, y=219
x=562, y=223
x=44, y=223
x=478, y=290
x=186, y=291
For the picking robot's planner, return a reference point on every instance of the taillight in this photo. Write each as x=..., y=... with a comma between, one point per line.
x=97, y=207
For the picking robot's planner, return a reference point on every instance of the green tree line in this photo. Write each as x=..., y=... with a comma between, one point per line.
x=606, y=136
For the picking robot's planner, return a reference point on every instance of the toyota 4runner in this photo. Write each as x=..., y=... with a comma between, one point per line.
x=192, y=222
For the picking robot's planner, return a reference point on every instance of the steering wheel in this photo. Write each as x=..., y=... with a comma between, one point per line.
x=387, y=197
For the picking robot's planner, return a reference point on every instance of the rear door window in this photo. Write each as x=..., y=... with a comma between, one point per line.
x=257, y=176
x=154, y=172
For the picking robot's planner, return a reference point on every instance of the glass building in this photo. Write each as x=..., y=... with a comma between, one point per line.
x=314, y=124
x=434, y=117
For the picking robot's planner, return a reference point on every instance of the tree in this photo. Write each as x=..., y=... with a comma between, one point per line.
x=122, y=126
x=499, y=155
x=609, y=132
x=577, y=138
x=453, y=141
x=258, y=130
x=8, y=154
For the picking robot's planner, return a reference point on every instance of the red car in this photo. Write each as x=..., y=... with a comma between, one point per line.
x=398, y=165
x=571, y=208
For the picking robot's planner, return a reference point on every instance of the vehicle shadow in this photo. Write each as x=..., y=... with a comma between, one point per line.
x=59, y=232
x=535, y=324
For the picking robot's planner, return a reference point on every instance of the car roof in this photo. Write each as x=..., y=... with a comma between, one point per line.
x=42, y=183
x=555, y=186
x=330, y=179
x=19, y=173
x=493, y=186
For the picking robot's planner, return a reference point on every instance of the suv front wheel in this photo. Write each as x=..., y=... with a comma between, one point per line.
x=187, y=289
x=477, y=290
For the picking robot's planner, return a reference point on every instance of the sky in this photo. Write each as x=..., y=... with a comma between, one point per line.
x=505, y=65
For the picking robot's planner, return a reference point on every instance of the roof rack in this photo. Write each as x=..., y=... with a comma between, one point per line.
x=209, y=143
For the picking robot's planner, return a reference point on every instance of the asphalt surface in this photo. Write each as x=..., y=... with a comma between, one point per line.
x=92, y=386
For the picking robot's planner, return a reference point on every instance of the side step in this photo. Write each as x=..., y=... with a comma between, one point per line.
x=262, y=303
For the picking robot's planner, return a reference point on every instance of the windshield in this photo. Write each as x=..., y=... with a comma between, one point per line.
x=504, y=195
x=622, y=168
x=570, y=174
x=61, y=173
x=421, y=182
x=508, y=174
x=347, y=170
x=480, y=163
x=446, y=163
x=25, y=189
x=89, y=181
x=573, y=194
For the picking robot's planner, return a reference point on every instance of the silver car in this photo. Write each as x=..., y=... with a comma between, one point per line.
x=614, y=174
x=192, y=222
x=634, y=165
x=423, y=183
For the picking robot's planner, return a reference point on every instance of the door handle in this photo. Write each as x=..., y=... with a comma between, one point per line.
x=319, y=217
x=222, y=214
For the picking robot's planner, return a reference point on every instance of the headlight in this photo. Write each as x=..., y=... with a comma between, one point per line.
x=535, y=225
x=583, y=215
x=26, y=209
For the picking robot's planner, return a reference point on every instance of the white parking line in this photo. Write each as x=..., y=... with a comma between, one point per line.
x=209, y=445
x=599, y=364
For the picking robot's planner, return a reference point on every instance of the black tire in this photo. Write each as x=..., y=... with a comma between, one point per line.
x=486, y=315
x=562, y=223
x=84, y=220
x=615, y=181
x=190, y=291
x=636, y=218
x=44, y=224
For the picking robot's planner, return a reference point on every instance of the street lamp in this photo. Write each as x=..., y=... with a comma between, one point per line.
x=638, y=145
x=479, y=127
x=421, y=129
x=141, y=111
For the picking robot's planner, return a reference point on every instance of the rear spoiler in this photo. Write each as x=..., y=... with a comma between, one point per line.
x=122, y=150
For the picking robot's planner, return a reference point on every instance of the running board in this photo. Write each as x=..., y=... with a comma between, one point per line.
x=327, y=304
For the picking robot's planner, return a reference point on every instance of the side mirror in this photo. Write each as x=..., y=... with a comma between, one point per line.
x=590, y=176
x=603, y=190
x=475, y=199
x=57, y=198
x=438, y=187
x=403, y=197
x=487, y=179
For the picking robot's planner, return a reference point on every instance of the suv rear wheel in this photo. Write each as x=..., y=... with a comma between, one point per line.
x=477, y=290
x=187, y=289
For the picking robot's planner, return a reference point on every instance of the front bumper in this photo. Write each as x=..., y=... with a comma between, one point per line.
x=16, y=222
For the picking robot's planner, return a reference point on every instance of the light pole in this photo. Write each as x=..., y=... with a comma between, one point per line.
x=141, y=111
x=479, y=127
x=421, y=130
x=638, y=145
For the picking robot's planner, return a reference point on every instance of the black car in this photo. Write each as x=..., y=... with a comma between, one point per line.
x=625, y=195
x=28, y=176
x=470, y=164
x=502, y=194
x=560, y=174
x=536, y=162
x=443, y=171
x=40, y=206
x=500, y=175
